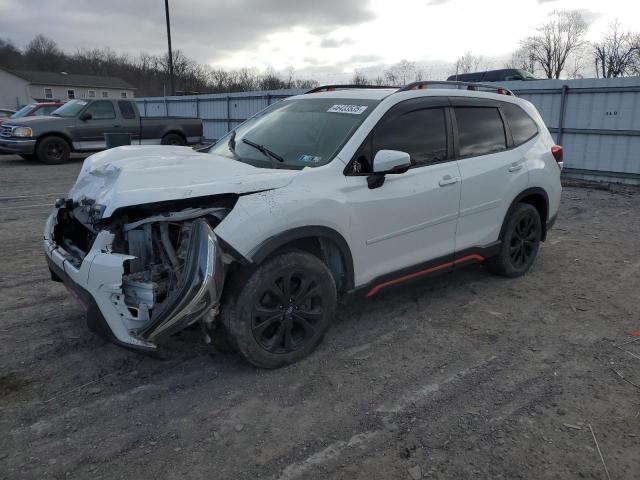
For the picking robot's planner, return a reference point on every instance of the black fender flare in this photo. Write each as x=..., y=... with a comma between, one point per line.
x=267, y=247
x=526, y=193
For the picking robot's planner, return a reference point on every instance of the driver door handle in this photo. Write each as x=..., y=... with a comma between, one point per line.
x=515, y=167
x=448, y=180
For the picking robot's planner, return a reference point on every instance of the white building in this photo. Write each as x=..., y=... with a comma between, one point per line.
x=20, y=87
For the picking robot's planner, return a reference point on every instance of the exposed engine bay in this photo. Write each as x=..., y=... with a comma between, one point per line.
x=172, y=268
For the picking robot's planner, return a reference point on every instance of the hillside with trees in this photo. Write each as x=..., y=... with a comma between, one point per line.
x=558, y=49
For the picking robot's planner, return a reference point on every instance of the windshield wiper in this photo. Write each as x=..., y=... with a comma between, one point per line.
x=264, y=150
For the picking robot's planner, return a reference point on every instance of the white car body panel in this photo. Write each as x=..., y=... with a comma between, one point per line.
x=410, y=219
x=488, y=188
x=305, y=202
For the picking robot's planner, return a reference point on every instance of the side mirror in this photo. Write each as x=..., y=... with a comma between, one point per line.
x=388, y=162
x=86, y=116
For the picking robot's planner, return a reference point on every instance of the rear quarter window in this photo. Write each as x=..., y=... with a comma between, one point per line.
x=522, y=126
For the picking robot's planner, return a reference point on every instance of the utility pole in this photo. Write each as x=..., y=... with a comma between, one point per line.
x=166, y=9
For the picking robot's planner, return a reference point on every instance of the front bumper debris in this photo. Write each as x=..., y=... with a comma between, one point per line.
x=97, y=282
x=201, y=288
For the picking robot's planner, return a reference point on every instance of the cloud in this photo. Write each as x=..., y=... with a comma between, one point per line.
x=364, y=58
x=440, y=2
x=204, y=30
x=335, y=42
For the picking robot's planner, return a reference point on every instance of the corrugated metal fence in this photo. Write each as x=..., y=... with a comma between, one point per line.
x=220, y=112
x=596, y=120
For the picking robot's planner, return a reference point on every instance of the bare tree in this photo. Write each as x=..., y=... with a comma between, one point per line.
x=522, y=59
x=359, y=79
x=10, y=56
x=401, y=73
x=556, y=40
x=469, y=62
x=616, y=54
x=42, y=53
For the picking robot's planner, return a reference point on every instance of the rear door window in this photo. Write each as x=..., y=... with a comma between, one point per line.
x=126, y=109
x=480, y=131
x=522, y=126
x=420, y=133
x=101, y=110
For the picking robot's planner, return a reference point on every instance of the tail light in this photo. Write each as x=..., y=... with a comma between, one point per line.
x=556, y=151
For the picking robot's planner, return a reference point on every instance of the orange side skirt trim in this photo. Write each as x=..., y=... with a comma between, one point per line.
x=426, y=271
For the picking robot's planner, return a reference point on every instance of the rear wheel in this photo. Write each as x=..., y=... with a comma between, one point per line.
x=173, y=139
x=520, y=242
x=53, y=150
x=282, y=312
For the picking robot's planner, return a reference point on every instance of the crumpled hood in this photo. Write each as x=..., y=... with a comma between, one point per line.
x=134, y=175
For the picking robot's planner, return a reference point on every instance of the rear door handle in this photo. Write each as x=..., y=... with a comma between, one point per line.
x=116, y=126
x=448, y=180
x=515, y=167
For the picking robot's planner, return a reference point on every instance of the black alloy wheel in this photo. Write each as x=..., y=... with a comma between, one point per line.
x=287, y=312
x=523, y=241
x=278, y=312
x=520, y=242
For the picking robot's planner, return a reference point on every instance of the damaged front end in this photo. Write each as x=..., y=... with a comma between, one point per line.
x=142, y=274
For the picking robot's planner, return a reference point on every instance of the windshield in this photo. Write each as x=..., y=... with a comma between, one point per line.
x=70, y=109
x=293, y=134
x=23, y=112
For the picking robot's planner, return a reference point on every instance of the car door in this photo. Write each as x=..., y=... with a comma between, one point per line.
x=492, y=173
x=130, y=123
x=90, y=132
x=410, y=220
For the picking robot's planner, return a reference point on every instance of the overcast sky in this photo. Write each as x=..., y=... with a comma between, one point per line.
x=321, y=38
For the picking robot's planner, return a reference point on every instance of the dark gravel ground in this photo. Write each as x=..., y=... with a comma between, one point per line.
x=464, y=376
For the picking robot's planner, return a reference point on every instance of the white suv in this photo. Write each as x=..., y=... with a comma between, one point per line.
x=337, y=191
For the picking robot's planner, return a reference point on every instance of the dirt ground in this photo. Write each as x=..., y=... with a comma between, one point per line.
x=463, y=376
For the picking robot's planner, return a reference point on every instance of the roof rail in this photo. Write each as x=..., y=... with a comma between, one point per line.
x=331, y=88
x=469, y=86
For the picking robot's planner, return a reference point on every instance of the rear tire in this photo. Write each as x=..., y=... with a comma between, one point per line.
x=282, y=311
x=520, y=242
x=53, y=150
x=173, y=139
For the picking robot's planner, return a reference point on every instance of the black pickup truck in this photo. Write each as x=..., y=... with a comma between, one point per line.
x=81, y=125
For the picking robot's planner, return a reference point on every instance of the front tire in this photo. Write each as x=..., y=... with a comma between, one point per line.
x=520, y=242
x=53, y=150
x=283, y=310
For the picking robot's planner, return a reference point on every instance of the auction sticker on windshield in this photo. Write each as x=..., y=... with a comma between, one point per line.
x=353, y=109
